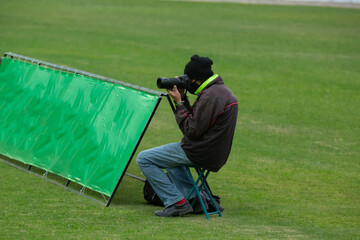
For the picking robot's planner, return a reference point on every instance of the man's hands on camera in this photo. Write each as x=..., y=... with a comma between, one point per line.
x=176, y=94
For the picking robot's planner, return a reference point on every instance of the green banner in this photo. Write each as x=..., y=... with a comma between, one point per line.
x=75, y=126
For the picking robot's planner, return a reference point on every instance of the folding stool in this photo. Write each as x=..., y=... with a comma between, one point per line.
x=202, y=175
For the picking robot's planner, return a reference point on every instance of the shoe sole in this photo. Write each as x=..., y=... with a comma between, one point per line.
x=182, y=214
x=177, y=214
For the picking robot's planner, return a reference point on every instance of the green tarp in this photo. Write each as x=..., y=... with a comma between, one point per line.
x=72, y=125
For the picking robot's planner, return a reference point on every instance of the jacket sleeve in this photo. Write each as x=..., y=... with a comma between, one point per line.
x=194, y=124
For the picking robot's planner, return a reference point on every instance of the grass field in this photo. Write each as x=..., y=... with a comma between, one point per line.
x=294, y=170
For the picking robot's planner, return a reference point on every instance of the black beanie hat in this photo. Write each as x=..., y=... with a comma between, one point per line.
x=199, y=68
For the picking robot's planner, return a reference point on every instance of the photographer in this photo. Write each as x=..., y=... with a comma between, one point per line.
x=208, y=127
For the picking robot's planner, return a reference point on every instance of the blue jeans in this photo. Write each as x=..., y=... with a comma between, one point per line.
x=173, y=159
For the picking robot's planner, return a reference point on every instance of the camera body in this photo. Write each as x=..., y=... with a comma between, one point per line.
x=183, y=82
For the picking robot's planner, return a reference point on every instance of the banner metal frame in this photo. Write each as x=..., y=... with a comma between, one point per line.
x=101, y=78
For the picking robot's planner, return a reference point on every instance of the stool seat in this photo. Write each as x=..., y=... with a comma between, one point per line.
x=197, y=186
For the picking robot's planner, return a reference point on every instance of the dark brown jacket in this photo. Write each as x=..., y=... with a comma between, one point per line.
x=208, y=125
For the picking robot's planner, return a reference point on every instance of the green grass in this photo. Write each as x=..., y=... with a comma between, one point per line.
x=294, y=170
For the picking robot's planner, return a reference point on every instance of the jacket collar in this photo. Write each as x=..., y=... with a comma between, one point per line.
x=216, y=80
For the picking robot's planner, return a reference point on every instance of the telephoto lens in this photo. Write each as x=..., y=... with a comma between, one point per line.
x=182, y=82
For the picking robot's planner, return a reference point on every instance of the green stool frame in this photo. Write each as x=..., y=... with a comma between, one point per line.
x=202, y=175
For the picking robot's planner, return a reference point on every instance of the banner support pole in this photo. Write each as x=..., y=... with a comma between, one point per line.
x=170, y=102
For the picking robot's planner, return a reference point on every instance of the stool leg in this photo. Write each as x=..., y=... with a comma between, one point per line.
x=192, y=189
x=210, y=196
x=197, y=191
x=204, y=185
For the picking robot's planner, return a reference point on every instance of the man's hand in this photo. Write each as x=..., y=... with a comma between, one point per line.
x=181, y=91
x=175, y=93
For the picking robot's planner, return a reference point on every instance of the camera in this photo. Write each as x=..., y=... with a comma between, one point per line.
x=183, y=82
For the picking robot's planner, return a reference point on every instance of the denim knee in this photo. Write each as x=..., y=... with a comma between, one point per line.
x=141, y=158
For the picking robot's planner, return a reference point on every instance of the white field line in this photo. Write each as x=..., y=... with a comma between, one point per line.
x=318, y=3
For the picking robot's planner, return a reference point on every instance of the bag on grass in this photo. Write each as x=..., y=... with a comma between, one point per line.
x=208, y=202
x=150, y=195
